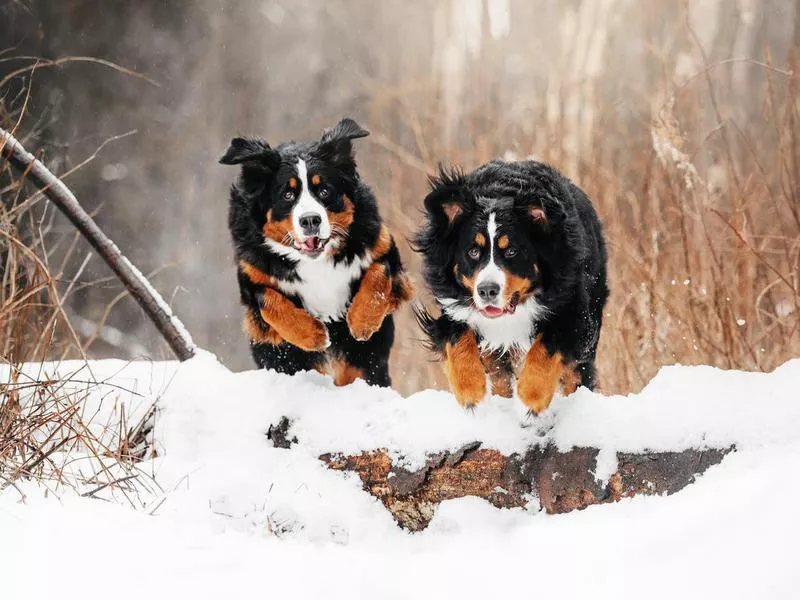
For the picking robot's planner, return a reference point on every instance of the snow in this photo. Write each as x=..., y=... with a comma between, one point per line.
x=235, y=517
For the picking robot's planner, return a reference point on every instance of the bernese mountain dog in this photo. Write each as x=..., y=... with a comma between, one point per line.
x=319, y=273
x=514, y=255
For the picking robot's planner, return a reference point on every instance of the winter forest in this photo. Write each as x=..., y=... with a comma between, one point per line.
x=680, y=120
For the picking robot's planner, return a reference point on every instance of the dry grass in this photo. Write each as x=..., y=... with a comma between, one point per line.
x=46, y=430
x=701, y=207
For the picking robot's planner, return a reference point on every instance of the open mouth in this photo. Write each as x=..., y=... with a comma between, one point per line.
x=311, y=246
x=498, y=311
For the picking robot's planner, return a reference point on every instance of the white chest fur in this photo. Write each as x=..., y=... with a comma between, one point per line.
x=509, y=332
x=324, y=287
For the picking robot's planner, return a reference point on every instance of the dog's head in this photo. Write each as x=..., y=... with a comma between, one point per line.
x=302, y=192
x=487, y=243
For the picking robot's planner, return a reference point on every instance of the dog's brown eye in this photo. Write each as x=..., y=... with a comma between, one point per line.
x=288, y=195
x=323, y=193
x=474, y=253
x=511, y=252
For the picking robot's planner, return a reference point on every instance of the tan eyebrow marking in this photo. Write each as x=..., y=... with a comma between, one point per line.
x=293, y=183
x=502, y=243
x=315, y=180
x=480, y=239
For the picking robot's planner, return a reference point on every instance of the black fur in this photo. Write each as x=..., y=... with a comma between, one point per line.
x=260, y=188
x=560, y=251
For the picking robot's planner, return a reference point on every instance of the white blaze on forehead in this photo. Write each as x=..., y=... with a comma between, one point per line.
x=491, y=273
x=308, y=204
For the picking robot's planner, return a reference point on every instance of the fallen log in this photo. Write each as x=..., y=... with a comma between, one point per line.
x=561, y=481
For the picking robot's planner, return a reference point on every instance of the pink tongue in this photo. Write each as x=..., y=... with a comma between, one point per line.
x=493, y=311
x=310, y=243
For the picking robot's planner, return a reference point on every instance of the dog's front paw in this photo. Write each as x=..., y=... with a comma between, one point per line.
x=533, y=395
x=539, y=377
x=311, y=336
x=364, y=319
x=469, y=388
x=465, y=371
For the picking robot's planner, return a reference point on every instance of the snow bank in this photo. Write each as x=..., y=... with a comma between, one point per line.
x=237, y=517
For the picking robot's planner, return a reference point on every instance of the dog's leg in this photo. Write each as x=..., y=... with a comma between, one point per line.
x=465, y=370
x=345, y=373
x=383, y=288
x=500, y=373
x=259, y=331
x=292, y=323
x=365, y=360
x=539, y=377
x=371, y=304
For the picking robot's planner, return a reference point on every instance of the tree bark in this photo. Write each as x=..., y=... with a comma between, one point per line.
x=59, y=194
x=562, y=481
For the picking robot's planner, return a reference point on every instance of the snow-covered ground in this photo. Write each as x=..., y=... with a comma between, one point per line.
x=237, y=518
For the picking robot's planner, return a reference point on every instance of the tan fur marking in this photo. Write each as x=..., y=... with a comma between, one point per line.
x=499, y=375
x=502, y=243
x=570, y=380
x=464, y=369
x=293, y=183
x=539, y=377
x=258, y=331
x=315, y=180
x=341, y=221
x=345, y=373
x=293, y=324
x=383, y=244
x=468, y=282
x=516, y=285
x=278, y=231
x=371, y=304
x=255, y=274
x=480, y=239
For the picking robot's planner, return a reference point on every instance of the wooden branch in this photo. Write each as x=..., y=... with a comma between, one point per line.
x=562, y=481
x=59, y=194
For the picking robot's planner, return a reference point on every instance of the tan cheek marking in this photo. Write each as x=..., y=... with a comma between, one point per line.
x=516, y=285
x=315, y=180
x=293, y=183
x=278, y=230
x=480, y=239
x=468, y=282
x=502, y=243
x=343, y=219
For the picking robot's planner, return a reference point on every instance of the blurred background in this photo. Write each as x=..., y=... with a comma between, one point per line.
x=681, y=120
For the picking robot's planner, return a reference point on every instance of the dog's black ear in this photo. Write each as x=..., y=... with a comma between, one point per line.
x=449, y=200
x=336, y=145
x=259, y=162
x=543, y=209
x=252, y=152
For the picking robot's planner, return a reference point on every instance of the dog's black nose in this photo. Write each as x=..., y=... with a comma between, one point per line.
x=310, y=223
x=488, y=291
